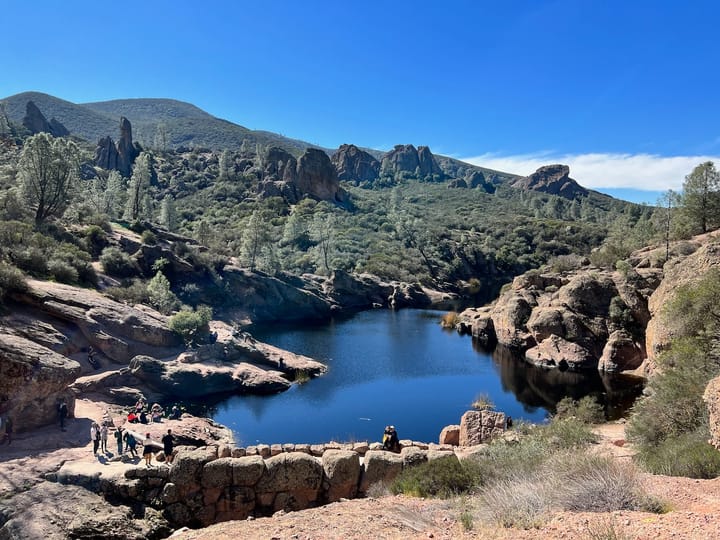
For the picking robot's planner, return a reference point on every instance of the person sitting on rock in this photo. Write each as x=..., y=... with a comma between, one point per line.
x=143, y=417
x=133, y=418
x=391, y=442
x=175, y=413
x=156, y=412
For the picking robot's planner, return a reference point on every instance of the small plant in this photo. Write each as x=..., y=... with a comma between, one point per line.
x=148, y=237
x=11, y=279
x=483, y=402
x=450, y=320
x=687, y=455
x=604, y=530
x=117, y=263
x=190, y=325
x=301, y=376
x=442, y=477
x=587, y=410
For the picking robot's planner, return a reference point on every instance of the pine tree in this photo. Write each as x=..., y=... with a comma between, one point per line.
x=137, y=204
x=701, y=197
x=168, y=216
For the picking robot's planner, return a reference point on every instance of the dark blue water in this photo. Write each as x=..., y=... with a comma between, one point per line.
x=400, y=368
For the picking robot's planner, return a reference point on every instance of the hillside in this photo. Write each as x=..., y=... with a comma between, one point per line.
x=185, y=124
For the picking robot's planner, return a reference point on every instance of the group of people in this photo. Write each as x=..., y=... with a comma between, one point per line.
x=127, y=442
x=140, y=413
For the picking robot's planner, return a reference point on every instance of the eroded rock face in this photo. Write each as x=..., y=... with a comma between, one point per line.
x=341, y=469
x=36, y=122
x=125, y=148
x=380, y=466
x=106, y=155
x=417, y=162
x=355, y=165
x=118, y=330
x=479, y=427
x=317, y=176
x=450, y=435
x=33, y=380
x=552, y=179
x=712, y=402
x=621, y=353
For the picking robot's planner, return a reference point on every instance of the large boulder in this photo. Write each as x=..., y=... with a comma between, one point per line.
x=410, y=161
x=355, y=165
x=510, y=316
x=450, y=435
x=561, y=353
x=621, y=353
x=478, y=427
x=292, y=481
x=317, y=177
x=33, y=380
x=342, y=474
x=552, y=179
x=106, y=154
x=379, y=467
x=36, y=122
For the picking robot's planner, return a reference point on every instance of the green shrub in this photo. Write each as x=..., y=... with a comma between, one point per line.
x=148, y=237
x=11, y=280
x=95, y=240
x=118, y=263
x=160, y=295
x=587, y=410
x=32, y=260
x=687, y=455
x=62, y=271
x=134, y=292
x=190, y=325
x=442, y=477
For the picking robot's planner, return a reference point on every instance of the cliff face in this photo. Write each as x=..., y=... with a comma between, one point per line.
x=590, y=318
x=552, y=179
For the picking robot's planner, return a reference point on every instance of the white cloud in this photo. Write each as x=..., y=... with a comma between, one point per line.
x=638, y=171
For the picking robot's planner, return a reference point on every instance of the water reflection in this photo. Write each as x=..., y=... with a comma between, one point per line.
x=535, y=387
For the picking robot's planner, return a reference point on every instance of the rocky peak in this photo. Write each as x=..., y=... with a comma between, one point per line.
x=106, y=155
x=36, y=122
x=418, y=162
x=317, y=176
x=125, y=148
x=279, y=165
x=552, y=179
x=355, y=165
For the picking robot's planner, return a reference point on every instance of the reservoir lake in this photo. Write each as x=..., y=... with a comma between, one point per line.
x=402, y=368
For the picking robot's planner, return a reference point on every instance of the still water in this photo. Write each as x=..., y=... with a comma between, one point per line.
x=401, y=368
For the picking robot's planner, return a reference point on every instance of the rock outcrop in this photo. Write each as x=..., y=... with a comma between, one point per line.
x=36, y=122
x=355, y=165
x=480, y=427
x=712, y=402
x=33, y=380
x=406, y=160
x=118, y=157
x=552, y=179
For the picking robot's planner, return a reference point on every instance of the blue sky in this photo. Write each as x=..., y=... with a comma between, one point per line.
x=626, y=92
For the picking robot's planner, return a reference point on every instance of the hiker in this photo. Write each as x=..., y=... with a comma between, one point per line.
x=175, y=413
x=168, y=446
x=133, y=418
x=156, y=412
x=7, y=435
x=390, y=440
x=91, y=358
x=95, y=436
x=143, y=417
x=148, y=449
x=140, y=405
x=119, y=440
x=130, y=443
x=103, y=437
x=62, y=414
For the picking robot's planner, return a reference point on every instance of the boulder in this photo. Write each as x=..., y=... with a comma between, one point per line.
x=450, y=435
x=355, y=165
x=426, y=162
x=412, y=455
x=33, y=380
x=510, y=316
x=457, y=183
x=478, y=427
x=621, y=353
x=218, y=473
x=317, y=177
x=379, y=466
x=711, y=397
x=35, y=120
x=292, y=481
x=247, y=470
x=561, y=353
x=552, y=179
x=407, y=160
x=476, y=179
x=342, y=474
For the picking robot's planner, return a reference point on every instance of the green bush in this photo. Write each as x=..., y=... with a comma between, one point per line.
x=190, y=325
x=587, y=410
x=62, y=271
x=11, y=279
x=687, y=455
x=160, y=295
x=444, y=477
x=32, y=260
x=95, y=240
x=134, y=292
x=148, y=237
x=118, y=263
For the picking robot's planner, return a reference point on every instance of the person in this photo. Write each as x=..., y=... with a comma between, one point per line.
x=130, y=443
x=168, y=446
x=91, y=358
x=62, y=414
x=140, y=405
x=391, y=442
x=119, y=440
x=95, y=436
x=175, y=413
x=133, y=418
x=143, y=417
x=156, y=413
x=103, y=437
x=7, y=436
x=107, y=419
x=148, y=449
